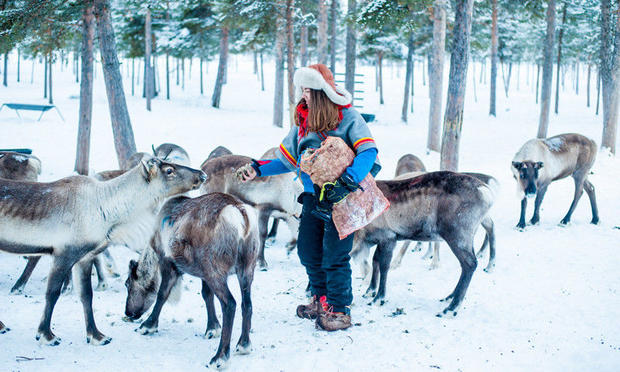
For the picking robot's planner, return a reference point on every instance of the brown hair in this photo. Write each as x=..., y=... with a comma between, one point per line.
x=323, y=114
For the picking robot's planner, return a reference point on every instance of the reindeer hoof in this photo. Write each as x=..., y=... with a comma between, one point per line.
x=447, y=314
x=594, y=221
x=244, y=349
x=3, y=328
x=369, y=294
x=564, y=222
x=17, y=291
x=447, y=298
x=48, y=339
x=102, y=286
x=218, y=363
x=213, y=333
x=270, y=241
x=146, y=330
x=378, y=302
x=98, y=340
x=489, y=269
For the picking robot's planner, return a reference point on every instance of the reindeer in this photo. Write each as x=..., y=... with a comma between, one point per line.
x=75, y=218
x=433, y=247
x=437, y=205
x=209, y=237
x=172, y=153
x=271, y=196
x=542, y=161
x=219, y=151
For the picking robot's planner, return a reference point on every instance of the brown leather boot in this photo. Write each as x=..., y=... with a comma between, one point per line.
x=311, y=310
x=332, y=321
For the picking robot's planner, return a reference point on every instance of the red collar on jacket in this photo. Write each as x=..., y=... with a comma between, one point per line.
x=302, y=114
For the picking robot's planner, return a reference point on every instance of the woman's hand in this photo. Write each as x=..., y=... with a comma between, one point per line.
x=245, y=173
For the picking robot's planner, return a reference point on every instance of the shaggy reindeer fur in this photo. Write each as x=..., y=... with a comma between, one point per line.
x=209, y=237
x=542, y=161
x=269, y=195
x=75, y=218
x=172, y=153
x=217, y=152
x=425, y=208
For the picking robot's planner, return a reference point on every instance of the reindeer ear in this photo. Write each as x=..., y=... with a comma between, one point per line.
x=538, y=165
x=149, y=168
x=133, y=269
x=517, y=164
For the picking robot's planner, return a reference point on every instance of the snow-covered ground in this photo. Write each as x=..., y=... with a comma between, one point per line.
x=551, y=304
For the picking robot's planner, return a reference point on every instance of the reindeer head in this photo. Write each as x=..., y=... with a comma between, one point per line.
x=142, y=284
x=526, y=174
x=173, y=178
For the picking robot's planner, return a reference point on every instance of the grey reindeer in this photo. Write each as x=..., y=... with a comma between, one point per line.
x=75, y=218
x=209, y=237
x=424, y=208
x=540, y=162
x=274, y=196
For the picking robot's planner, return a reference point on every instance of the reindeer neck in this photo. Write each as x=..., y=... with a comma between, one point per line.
x=127, y=195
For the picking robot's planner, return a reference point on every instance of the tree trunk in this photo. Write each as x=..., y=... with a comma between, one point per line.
x=121, y=124
x=506, y=80
x=350, y=53
x=545, y=96
x=201, y=79
x=380, y=64
x=49, y=73
x=473, y=75
x=255, y=58
x=559, y=61
x=588, y=86
x=290, y=62
x=168, y=75
x=537, y=80
x=332, y=25
x=262, y=74
x=44, y=75
x=435, y=74
x=322, y=33
x=453, y=119
x=494, y=59
x=183, y=67
x=303, y=47
x=32, y=71
x=610, y=74
x=577, y=79
x=412, y=82
x=408, y=77
x=4, y=71
x=278, y=93
x=18, y=64
x=598, y=90
x=133, y=73
x=178, y=72
x=221, y=68
x=426, y=63
x=148, y=70
x=86, y=91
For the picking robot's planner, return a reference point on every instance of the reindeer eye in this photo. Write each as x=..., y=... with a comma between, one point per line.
x=169, y=171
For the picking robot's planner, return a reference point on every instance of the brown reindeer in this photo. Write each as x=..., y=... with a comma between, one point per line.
x=75, y=218
x=219, y=151
x=542, y=161
x=209, y=237
x=271, y=196
x=423, y=208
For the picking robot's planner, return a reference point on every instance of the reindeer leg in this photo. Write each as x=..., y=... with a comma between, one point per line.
x=435, y=260
x=102, y=285
x=540, y=194
x=483, y=247
x=579, y=178
x=244, y=346
x=93, y=336
x=589, y=187
x=263, y=222
x=228, y=314
x=489, y=227
x=3, y=328
x=372, y=287
x=521, y=223
x=19, y=286
x=429, y=251
x=385, y=257
x=109, y=264
x=463, y=249
x=61, y=269
x=271, y=236
x=213, y=325
x=169, y=277
x=398, y=259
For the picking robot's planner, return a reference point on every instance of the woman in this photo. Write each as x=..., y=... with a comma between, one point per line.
x=324, y=109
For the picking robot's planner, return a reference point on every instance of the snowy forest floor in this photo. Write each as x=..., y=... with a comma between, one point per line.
x=550, y=305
